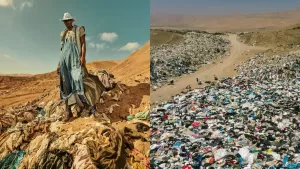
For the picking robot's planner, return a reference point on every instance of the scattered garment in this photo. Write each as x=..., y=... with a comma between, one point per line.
x=12, y=160
x=55, y=159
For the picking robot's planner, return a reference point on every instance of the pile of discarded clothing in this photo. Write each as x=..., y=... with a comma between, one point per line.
x=33, y=136
x=87, y=143
x=196, y=49
x=106, y=78
x=249, y=121
x=98, y=146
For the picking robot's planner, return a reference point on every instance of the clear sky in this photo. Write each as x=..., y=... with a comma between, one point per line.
x=30, y=31
x=219, y=7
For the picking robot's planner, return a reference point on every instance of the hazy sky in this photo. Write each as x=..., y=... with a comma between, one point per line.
x=30, y=31
x=220, y=7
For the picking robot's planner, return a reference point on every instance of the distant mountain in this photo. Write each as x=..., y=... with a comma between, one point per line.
x=19, y=75
x=236, y=22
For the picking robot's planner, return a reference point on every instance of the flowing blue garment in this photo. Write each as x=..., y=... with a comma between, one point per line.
x=71, y=75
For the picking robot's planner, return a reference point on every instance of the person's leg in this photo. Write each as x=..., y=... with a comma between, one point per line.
x=93, y=109
x=85, y=110
x=68, y=113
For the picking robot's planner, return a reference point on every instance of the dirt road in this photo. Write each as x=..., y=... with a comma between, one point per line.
x=223, y=67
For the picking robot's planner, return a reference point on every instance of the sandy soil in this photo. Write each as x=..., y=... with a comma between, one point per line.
x=276, y=40
x=134, y=72
x=223, y=67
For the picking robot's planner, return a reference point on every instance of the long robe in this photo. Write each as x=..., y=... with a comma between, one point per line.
x=76, y=84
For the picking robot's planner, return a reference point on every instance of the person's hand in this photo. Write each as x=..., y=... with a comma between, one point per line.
x=82, y=61
x=58, y=70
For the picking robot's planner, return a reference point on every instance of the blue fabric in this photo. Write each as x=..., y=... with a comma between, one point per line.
x=12, y=160
x=41, y=111
x=71, y=70
x=285, y=160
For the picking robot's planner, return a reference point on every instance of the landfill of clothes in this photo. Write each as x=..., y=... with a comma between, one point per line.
x=34, y=137
x=249, y=121
x=47, y=143
x=46, y=146
x=173, y=60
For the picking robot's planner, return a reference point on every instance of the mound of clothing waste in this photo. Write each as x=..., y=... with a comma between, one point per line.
x=248, y=121
x=34, y=137
x=195, y=50
x=88, y=142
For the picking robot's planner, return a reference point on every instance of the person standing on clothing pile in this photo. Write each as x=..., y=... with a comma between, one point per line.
x=77, y=86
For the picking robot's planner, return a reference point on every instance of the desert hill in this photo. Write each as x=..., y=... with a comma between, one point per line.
x=283, y=39
x=135, y=68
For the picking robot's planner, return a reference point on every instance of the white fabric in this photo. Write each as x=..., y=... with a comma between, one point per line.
x=78, y=39
x=71, y=34
x=67, y=16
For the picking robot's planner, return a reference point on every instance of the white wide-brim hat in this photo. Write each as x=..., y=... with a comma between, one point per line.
x=67, y=16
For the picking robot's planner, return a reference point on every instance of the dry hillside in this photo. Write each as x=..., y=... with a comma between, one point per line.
x=159, y=37
x=274, y=38
x=136, y=68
